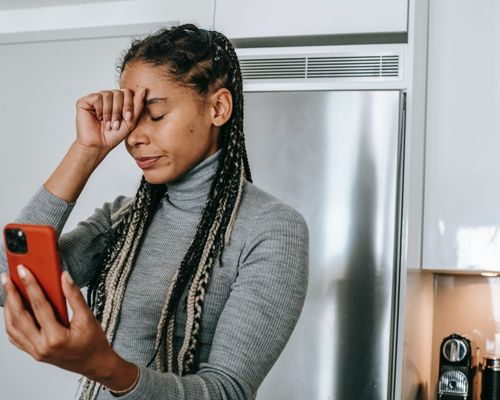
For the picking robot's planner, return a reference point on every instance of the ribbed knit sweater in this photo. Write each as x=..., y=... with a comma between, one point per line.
x=252, y=302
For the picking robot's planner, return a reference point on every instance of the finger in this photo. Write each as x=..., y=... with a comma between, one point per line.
x=117, y=109
x=41, y=307
x=4, y=280
x=92, y=103
x=14, y=302
x=16, y=331
x=98, y=107
x=19, y=323
x=75, y=297
x=128, y=104
x=15, y=343
x=139, y=96
x=107, y=108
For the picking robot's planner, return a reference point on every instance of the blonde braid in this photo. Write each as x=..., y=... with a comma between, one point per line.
x=118, y=275
x=229, y=230
x=161, y=324
x=203, y=266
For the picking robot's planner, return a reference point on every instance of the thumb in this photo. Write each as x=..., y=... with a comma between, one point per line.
x=138, y=100
x=139, y=97
x=74, y=295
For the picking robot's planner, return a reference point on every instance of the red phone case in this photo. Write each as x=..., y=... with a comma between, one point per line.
x=43, y=260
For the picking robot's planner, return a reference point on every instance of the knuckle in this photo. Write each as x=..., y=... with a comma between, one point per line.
x=87, y=98
x=97, y=102
x=37, y=356
x=37, y=303
x=9, y=328
x=11, y=323
x=53, y=342
x=43, y=352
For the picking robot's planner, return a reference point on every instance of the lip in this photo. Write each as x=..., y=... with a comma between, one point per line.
x=146, y=162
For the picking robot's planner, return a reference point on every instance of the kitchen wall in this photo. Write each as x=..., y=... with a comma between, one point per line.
x=417, y=343
x=468, y=305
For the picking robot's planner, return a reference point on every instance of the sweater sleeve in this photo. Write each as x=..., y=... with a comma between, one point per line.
x=258, y=318
x=78, y=248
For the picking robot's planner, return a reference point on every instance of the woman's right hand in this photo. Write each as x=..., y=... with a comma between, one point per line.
x=105, y=118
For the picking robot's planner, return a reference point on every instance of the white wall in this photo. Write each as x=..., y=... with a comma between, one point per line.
x=40, y=84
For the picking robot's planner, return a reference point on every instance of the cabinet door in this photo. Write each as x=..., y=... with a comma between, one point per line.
x=261, y=18
x=25, y=20
x=462, y=189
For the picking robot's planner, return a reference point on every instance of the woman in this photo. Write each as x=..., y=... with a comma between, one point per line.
x=194, y=285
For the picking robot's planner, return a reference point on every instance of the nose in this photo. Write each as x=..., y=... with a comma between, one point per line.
x=138, y=135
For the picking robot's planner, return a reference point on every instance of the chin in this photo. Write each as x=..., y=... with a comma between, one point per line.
x=154, y=180
x=157, y=178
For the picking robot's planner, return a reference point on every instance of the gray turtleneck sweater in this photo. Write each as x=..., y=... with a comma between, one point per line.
x=252, y=302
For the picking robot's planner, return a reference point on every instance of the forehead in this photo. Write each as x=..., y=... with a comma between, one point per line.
x=158, y=85
x=138, y=74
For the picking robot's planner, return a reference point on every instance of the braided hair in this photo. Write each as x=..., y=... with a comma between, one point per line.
x=203, y=61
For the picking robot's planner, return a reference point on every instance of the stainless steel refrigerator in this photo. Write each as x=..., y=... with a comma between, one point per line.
x=335, y=156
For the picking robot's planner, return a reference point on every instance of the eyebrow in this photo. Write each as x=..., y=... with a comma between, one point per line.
x=153, y=100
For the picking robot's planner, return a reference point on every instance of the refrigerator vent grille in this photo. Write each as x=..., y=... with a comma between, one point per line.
x=368, y=66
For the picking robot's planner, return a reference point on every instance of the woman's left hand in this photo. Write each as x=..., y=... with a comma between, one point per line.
x=82, y=348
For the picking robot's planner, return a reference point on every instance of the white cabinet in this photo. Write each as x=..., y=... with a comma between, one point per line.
x=98, y=19
x=263, y=18
x=462, y=180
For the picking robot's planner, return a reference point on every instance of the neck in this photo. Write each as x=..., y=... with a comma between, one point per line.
x=190, y=191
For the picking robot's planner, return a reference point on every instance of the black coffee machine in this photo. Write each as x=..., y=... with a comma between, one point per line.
x=456, y=372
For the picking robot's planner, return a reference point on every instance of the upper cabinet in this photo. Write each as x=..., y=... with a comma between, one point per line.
x=86, y=19
x=264, y=18
x=462, y=180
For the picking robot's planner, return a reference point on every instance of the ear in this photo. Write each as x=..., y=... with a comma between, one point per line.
x=221, y=106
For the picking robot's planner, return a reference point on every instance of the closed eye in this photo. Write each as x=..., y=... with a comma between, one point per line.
x=156, y=118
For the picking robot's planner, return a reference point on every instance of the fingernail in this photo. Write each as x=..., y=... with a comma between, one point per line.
x=108, y=125
x=128, y=115
x=68, y=277
x=116, y=125
x=21, y=271
x=3, y=277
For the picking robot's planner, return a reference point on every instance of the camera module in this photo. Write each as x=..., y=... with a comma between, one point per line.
x=16, y=241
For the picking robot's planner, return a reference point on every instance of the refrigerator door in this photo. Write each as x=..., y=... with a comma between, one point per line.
x=333, y=155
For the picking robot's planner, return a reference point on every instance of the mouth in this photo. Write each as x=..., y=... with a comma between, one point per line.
x=146, y=162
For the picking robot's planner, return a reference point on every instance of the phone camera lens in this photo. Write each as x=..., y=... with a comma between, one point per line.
x=16, y=241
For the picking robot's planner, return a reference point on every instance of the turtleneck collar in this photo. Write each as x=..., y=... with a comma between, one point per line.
x=192, y=188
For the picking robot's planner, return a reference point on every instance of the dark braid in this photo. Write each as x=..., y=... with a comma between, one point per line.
x=203, y=61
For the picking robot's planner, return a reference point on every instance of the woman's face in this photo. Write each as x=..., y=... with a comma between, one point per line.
x=173, y=126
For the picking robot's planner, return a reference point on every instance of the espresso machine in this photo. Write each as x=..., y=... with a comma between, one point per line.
x=456, y=371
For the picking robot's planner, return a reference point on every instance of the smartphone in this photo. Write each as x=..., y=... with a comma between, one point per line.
x=35, y=247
